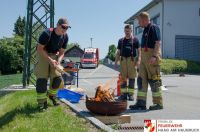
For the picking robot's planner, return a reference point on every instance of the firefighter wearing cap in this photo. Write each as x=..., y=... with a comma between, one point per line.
x=50, y=52
x=149, y=70
x=127, y=52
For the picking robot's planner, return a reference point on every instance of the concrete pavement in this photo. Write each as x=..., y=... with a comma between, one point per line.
x=181, y=96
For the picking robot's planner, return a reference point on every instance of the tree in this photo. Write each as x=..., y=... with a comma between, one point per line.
x=11, y=49
x=19, y=26
x=11, y=55
x=111, y=52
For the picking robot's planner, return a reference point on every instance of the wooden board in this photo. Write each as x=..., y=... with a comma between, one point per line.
x=120, y=119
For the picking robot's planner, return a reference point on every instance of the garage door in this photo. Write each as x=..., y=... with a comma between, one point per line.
x=187, y=47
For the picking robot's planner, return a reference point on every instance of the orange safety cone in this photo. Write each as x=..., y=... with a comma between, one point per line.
x=119, y=85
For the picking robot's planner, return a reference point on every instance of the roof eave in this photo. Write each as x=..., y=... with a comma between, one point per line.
x=147, y=7
x=68, y=50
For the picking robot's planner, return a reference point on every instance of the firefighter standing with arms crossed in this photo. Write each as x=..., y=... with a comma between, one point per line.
x=127, y=55
x=149, y=69
x=50, y=52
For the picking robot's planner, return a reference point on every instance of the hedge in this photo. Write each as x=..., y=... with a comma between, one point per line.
x=173, y=66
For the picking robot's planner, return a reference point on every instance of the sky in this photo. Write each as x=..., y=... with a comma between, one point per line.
x=102, y=20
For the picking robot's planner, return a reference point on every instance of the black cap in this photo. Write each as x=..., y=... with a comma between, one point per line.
x=64, y=22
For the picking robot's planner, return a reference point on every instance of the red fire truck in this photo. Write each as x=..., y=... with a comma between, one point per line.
x=90, y=58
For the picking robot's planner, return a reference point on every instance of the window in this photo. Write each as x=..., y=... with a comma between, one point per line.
x=88, y=56
x=138, y=30
x=199, y=11
x=156, y=20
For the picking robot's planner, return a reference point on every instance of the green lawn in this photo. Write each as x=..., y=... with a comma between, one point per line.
x=6, y=80
x=18, y=112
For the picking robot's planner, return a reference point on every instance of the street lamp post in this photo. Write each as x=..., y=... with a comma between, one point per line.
x=91, y=41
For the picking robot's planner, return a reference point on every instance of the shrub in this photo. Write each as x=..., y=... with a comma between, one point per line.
x=173, y=66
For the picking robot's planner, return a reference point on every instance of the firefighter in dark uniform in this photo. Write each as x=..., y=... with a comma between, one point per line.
x=127, y=55
x=149, y=69
x=50, y=52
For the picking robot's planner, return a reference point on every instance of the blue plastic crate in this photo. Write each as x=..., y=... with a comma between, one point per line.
x=69, y=95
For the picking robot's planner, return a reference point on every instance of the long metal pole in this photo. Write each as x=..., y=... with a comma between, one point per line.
x=91, y=41
x=52, y=13
x=29, y=41
x=25, y=57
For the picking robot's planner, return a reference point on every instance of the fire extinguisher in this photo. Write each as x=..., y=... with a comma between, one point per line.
x=119, y=85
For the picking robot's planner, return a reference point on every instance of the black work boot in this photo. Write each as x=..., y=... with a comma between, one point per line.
x=40, y=107
x=137, y=107
x=53, y=99
x=140, y=105
x=45, y=105
x=123, y=96
x=156, y=107
x=131, y=86
x=130, y=97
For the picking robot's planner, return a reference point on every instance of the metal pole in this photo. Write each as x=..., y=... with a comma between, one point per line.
x=29, y=41
x=52, y=13
x=91, y=41
x=25, y=57
x=46, y=17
